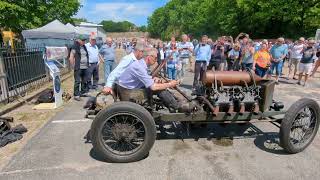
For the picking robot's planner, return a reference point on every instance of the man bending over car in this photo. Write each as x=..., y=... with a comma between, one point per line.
x=135, y=77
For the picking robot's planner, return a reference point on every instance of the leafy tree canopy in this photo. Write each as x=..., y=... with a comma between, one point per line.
x=259, y=18
x=18, y=15
x=124, y=26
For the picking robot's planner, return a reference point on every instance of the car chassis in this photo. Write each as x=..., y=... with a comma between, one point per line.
x=126, y=131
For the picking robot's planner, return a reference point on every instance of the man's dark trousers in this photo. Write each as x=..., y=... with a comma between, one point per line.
x=80, y=78
x=94, y=74
x=199, y=70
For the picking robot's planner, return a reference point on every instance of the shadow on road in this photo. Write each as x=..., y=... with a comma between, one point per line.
x=219, y=134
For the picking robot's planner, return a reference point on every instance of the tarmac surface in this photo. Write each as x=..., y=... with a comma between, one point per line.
x=60, y=151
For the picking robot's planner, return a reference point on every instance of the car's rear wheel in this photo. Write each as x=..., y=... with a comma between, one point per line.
x=123, y=132
x=300, y=125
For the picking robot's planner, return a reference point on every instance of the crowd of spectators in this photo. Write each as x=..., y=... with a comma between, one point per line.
x=265, y=57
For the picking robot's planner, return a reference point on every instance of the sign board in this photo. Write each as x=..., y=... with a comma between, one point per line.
x=56, y=52
x=55, y=74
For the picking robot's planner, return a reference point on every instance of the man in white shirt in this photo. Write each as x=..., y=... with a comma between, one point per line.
x=185, y=49
x=295, y=56
x=94, y=57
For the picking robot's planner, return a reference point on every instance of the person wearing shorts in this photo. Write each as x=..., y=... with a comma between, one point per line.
x=278, y=53
x=295, y=57
x=306, y=63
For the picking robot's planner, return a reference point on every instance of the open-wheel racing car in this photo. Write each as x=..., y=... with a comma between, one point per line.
x=126, y=131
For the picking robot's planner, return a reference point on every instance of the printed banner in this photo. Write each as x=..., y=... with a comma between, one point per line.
x=54, y=53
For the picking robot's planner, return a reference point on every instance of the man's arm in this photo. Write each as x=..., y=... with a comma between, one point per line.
x=146, y=79
x=162, y=86
x=191, y=47
x=196, y=49
x=72, y=58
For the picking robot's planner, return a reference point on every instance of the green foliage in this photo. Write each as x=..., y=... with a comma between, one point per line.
x=259, y=18
x=18, y=15
x=76, y=21
x=142, y=28
x=124, y=26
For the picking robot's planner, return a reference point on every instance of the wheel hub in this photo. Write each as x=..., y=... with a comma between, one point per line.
x=123, y=132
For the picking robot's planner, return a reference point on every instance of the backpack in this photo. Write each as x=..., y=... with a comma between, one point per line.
x=46, y=96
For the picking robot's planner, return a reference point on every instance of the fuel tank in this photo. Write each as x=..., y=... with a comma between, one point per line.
x=229, y=78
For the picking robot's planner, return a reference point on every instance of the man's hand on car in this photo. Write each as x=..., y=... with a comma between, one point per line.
x=107, y=90
x=157, y=80
x=173, y=83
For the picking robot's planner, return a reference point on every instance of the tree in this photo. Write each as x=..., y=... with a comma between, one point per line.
x=259, y=18
x=76, y=21
x=27, y=14
x=124, y=26
x=142, y=28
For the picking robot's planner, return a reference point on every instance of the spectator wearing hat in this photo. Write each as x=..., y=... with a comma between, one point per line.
x=79, y=59
x=278, y=53
x=107, y=51
x=94, y=58
x=307, y=60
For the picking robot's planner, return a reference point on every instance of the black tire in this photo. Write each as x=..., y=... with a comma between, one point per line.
x=129, y=109
x=298, y=113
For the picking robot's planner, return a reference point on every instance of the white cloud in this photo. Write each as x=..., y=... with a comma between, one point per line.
x=120, y=11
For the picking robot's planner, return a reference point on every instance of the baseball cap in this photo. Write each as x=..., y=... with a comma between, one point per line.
x=81, y=37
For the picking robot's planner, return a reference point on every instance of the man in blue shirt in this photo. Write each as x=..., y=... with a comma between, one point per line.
x=136, y=75
x=136, y=78
x=113, y=77
x=203, y=56
x=278, y=53
x=107, y=51
x=94, y=57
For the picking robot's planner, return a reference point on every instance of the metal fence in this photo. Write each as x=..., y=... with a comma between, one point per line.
x=21, y=68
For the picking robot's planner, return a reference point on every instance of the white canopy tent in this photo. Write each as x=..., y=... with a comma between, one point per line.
x=53, y=34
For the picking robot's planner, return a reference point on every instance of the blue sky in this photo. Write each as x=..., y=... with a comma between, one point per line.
x=136, y=11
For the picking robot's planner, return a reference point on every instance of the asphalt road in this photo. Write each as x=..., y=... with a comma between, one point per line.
x=60, y=151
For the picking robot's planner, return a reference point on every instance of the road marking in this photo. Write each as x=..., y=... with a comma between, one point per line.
x=28, y=170
x=71, y=121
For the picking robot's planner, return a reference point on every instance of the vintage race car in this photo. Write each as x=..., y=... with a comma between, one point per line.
x=126, y=131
